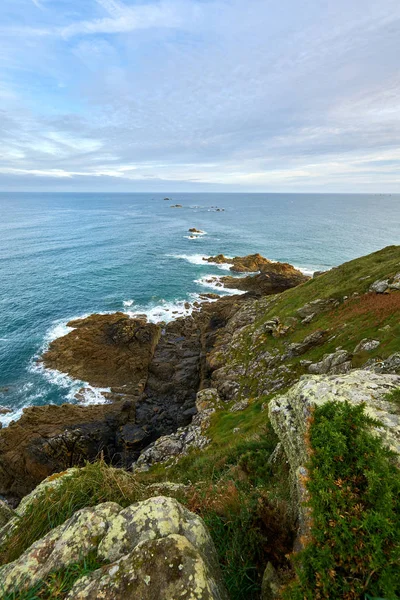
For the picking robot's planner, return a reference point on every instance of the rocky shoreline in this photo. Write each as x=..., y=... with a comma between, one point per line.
x=152, y=371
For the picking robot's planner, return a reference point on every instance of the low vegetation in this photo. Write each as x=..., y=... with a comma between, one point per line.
x=355, y=501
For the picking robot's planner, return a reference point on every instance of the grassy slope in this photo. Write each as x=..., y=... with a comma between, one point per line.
x=242, y=498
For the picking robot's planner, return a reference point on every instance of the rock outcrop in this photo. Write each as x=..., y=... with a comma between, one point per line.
x=290, y=416
x=152, y=549
x=273, y=279
x=111, y=350
x=242, y=264
x=49, y=439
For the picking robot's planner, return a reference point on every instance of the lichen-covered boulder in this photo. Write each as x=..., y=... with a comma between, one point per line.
x=164, y=569
x=151, y=549
x=63, y=546
x=149, y=520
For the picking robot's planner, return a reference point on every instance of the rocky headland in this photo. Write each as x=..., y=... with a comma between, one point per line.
x=221, y=412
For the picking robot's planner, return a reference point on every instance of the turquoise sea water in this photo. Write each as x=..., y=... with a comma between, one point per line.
x=67, y=255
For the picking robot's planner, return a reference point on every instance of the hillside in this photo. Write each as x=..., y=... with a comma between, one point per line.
x=296, y=401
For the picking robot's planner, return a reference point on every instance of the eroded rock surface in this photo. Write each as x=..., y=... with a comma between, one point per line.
x=274, y=278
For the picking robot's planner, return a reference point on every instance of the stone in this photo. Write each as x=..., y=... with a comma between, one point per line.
x=335, y=363
x=6, y=514
x=271, y=584
x=194, y=230
x=50, y=439
x=239, y=406
x=316, y=307
x=395, y=284
x=379, y=287
x=290, y=416
x=366, y=345
x=314, y=339
x=184, y=439
x=389, y=365
x=65, y=545
x=308, y=319
x=148, y=520
x=163, y=569
x=176, y=206
x=157, y=549
x=4, y=410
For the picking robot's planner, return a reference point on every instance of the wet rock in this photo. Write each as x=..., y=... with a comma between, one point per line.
x=379, y=287
x=316, y=307
x=194, y=230
x=105, y=350
x=4, y=410
x=335, y=363
x=176, y=206
x=366, y=345
x=274, y=278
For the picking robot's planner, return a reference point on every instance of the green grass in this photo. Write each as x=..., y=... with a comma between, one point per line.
x=355, y=501
x=94, y=484
x=58, y=584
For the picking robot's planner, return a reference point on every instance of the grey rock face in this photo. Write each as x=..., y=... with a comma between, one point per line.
x=335, y=363
x=291, y=412
x=379, y=287
x=390, y=365
x=366, y=345
x=180, y=442
x=317, y=306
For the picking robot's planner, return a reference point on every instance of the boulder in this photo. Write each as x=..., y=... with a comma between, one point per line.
x=389, y=365
x=65, y=545
x=366, y=345
x=380, y=286
x=6, y=514
x=316, y=307
x=314, y=339
x=194, y=230
x=290, y=416
x=151, y=549
x=335, y=363
x=106, y=351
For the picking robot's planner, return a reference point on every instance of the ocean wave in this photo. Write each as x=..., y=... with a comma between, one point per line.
x=164, y=310
x=5, y=420
x=128, y=303
x=201, y=259
x=213, y=282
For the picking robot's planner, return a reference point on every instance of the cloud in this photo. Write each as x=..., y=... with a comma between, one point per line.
x=212, y=93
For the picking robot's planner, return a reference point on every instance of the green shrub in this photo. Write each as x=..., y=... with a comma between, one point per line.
x=354, y=487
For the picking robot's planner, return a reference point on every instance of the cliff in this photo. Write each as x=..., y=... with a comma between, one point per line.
x=273, y=418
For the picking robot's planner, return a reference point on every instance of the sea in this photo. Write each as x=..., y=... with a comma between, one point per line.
x=67, y=255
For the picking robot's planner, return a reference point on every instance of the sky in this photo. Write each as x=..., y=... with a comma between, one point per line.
x=200, y=95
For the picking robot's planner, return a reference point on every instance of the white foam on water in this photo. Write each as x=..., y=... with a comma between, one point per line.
x=194, y=259
x=213, y=282
x=164, y=310
x=5, y=420
x=128, y=303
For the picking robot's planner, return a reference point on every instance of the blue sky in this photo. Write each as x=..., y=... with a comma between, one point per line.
x=218, y=95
